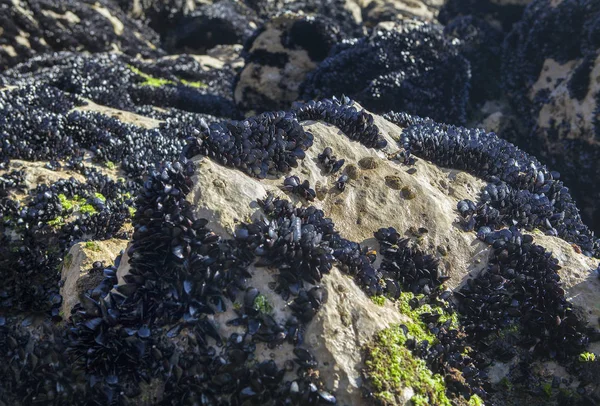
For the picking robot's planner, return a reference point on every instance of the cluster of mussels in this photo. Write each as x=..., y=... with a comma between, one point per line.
x=521, y=286
x=272, y=143
x=522, y=190
x=520, y=289
x=394, y=69
x=329, y=161
x=174, y=84
x=36, y=234
x=301, y=244
x=356, y=124
x=157, y=328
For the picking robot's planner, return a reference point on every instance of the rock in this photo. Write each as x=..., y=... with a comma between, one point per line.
x=360, y=286
x=345, y=13
x=339, y=330
x=159, y=15
x=77, y=274
x=285, y=49
x=226, y=198
x=378, y=11
x=551, y=83
x=152, y=88
x=394, y=69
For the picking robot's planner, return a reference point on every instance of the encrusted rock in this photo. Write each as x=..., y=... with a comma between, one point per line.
x=377, y=11
x=285, y=49
x=552, y=85
x=78, y=273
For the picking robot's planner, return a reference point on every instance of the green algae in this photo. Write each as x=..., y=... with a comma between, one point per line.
x=87, y=209
x=378, y=300
x=57, y=222
x=150, y=80
x=587, y=357
x=101, y=197
x=196, y=85
x=75, y=204
x=92, y=246
x=262, y=304
x=391, y=367
x=417, y=328
x=475, y=401
x=547, y=388
x=157, y=82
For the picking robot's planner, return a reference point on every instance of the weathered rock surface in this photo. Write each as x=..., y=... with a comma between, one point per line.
x=371, y=200
x=378, y=11
x=78, y=115
x=77, y=274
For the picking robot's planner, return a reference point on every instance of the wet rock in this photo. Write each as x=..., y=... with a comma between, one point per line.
x=208, y=25
x=159, y=15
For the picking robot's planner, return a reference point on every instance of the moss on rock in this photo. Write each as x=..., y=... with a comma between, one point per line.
x=157, y=82
x=391, y=367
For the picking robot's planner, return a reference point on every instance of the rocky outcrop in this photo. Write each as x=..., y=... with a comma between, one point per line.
x=373, y=198
x=378, y=11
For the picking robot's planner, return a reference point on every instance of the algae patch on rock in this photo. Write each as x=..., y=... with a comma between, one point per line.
x=390, y=368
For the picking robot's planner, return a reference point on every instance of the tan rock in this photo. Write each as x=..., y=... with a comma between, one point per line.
x=340, y=329
x=225, y=196
x=76, y=276
x=275, y=71
x=377, y=11
x=576, y=115
x=121, y=115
